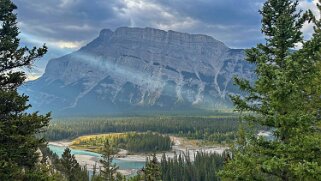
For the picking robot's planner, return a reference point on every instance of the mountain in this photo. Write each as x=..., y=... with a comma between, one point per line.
x=140, y=69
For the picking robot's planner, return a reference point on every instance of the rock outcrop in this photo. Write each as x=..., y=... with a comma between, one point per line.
x=140, y=69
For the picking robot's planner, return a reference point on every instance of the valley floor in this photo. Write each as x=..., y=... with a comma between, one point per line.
x=181, y=145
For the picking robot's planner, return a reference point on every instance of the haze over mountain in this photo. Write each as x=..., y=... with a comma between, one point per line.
x=138, y=70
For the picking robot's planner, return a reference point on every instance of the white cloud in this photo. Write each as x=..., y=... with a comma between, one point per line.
x=308, y=27
x=32, y=73
x=31, y=77
x=51, y=43
x=84, y=27
x=67, y=44
x=78, y=20
x=66, y=3
x=142, y=13
x=182, y=25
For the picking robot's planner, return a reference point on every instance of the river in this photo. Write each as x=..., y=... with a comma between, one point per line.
x=130, y=164
x=126, y=167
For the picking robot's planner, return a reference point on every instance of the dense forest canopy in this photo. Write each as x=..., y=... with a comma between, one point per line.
x=205, y=166
x=217, y=129
x=132, y=141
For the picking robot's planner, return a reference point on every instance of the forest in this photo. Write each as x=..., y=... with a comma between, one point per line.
x=205, y=166
x=133, y=142
x=215, y=129
x=201, y=166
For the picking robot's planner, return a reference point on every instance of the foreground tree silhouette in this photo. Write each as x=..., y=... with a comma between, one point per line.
x=17, y=129
x=285, y=98
x=71, y=168
x=109, y=168
x=152, y=171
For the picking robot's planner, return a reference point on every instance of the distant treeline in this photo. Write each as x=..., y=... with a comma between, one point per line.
x=205, y=167
x=149, y=142
x=217, y=129
x=133, y=142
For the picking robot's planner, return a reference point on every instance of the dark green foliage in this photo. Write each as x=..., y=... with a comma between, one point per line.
x=96, y=178
x=49, y=156
x=152, y=171
x=120, y=177
x=94, y=171
x=67, y=165
x=17, y=129
x=285, y=98
x=44, y=172
x=219, y=129
x=148, y=142
x=132, y=142
x=136, y=178
x=109, y=169
x=204, y=168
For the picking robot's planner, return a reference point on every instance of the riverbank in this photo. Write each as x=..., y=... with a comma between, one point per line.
x=128, y=162
x=62, y=143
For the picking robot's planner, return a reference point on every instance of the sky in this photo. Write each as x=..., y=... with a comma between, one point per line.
x=67, y=25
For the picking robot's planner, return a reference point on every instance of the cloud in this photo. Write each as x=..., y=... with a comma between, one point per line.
x=80, y=20
x=66, y=25
x=67, y=3
x=238, y=25
x=312, y=5
x=33, y=73
x=65, y=46
x=221, y=19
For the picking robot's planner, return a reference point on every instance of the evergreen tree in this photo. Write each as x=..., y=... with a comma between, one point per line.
x=285, y=98
x=95, y=176
x=94, y=171
x=153, y=170
x=70, y=167
x=17, y=129
x=120, y=177
x=205, y=167
x=109, y=169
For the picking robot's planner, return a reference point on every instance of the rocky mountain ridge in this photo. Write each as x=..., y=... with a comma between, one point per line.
x=140, y=69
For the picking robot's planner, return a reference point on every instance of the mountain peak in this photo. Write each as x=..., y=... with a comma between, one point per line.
x=149, y=33
x=105, y=32
x=140, y=69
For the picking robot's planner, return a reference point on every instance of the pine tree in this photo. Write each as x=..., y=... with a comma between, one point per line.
x=120, y=177
x=17, y=129
x=109, y=169
x=94, y=169
x=285, y=98
x=69, y=166
x=153, y=170
x=95, y=176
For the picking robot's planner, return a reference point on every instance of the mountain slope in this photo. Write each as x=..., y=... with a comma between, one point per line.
x=140, y=69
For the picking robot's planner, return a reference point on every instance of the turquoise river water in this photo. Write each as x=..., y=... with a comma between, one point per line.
x=123, y=165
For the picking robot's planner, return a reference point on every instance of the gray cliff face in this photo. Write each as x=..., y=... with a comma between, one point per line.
x=135, y=69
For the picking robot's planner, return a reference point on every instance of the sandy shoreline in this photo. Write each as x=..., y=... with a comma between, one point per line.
x=171, y=154
x=63, y=143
